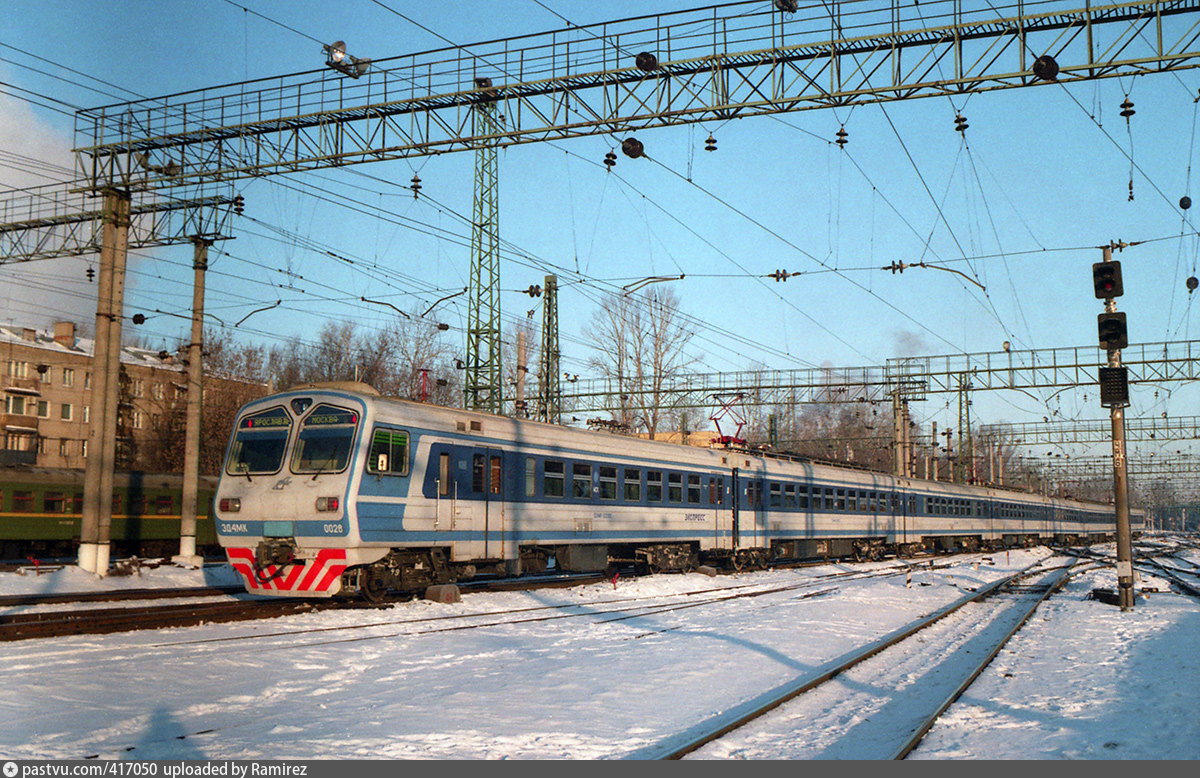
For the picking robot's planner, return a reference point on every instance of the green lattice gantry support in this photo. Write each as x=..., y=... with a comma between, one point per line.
x=482, y=383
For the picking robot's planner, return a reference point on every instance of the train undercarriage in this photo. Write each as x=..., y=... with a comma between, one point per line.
x=413, y=569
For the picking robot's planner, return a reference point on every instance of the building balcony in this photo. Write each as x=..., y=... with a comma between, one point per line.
x=30, y=387
x=18, y=424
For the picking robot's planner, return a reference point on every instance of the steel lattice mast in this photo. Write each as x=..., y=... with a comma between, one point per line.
x=482, y=385
x=549, y=388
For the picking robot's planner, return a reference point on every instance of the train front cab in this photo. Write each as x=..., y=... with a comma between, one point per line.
x=284, y=504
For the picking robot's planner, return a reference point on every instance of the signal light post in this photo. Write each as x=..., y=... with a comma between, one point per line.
x=1114, y=393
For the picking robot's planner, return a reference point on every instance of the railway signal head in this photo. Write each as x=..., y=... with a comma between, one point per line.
x=1112, y=331
x=1106, y=278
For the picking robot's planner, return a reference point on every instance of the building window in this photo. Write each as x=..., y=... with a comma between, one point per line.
x=83, y=448
x=87, y=413
x=87, y=380
x=139, y=421
x=68, y=376
x=43, y=409
x=64, y=448
x=41, y=445
x=157, y=391
x=64, y=412
x=139, y=388
x=44, y=372
x=14, y=404
x=18, y=369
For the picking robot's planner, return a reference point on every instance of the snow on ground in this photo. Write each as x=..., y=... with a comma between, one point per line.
x=588, y=672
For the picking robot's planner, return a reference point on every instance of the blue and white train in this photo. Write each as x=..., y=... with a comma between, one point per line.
x=332, y=488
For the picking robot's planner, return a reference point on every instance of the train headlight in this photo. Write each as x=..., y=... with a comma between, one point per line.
x=326, y=504
x=229, y=505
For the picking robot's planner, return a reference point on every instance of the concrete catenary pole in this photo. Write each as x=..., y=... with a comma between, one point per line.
x=195, y=399
x=96, y=521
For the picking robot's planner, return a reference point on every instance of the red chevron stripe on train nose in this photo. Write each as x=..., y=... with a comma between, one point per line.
x=315, y=576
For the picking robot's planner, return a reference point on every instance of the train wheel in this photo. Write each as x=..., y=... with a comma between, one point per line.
x=373, y=586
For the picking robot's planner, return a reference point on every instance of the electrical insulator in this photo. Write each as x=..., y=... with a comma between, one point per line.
x=239, y=204
x=780, y=275
x=842, y=137
x=1127, y=109
x=646, y=61
x=632, y=148
x=711, y=143
x=787, y=6
x=534, y=290
x=416, y=185
x=1185, y=202
x=91, y=274
x=960, y=123
x=1045, y=67
x=139, y=318
x=610, y=159
x=1192, y=283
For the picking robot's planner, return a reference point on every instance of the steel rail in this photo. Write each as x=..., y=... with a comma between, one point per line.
x=919, y=734
x=724, y=723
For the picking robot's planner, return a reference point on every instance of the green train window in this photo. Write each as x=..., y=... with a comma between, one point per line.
x=389, y=452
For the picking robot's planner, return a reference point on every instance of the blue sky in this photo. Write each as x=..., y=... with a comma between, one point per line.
x=1041, y=181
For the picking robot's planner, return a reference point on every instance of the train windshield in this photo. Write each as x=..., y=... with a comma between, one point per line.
x=323, y=445
x=259, y=443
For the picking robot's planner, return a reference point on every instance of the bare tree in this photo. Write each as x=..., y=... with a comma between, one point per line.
x=641, y=342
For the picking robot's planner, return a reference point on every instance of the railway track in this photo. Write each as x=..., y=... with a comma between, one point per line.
x=892, y=729
x=45, y=624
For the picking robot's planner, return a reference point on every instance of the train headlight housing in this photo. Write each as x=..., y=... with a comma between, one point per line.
x=229, y=505
x=327, y=504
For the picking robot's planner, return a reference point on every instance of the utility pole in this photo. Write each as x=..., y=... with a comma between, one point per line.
x=897, y=434
x=195, y=398
x=96, y=523
x=1114, y=393
x=519, y=409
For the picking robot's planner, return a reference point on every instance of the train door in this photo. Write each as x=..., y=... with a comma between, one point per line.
x=487, y=492
x=734, y=512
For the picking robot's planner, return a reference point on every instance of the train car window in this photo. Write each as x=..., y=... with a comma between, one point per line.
x=164, y=505
x=496, y=475
x=137, y=505
x=633, y=484
x=323, y=445
x=608, y=483
x=654, y=489
x=789, y=497
x=674, y=487
x=720, y=491
x=712, y=492
x=754, y=494
x=830, y=502
x=775, y=496
x=841, y=500
x=22, y=502
x=530, y=477
x=389, y=452
x=553, y=478
x=477, y=473
x=53, y=502
x=693, y=489
x=581, y=481
x=259, y=442
x=873, y=502
x=802, y=501
x=444, y=473
x=851, y=500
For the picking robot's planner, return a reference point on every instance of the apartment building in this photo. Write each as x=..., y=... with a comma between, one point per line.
x=47, y=386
